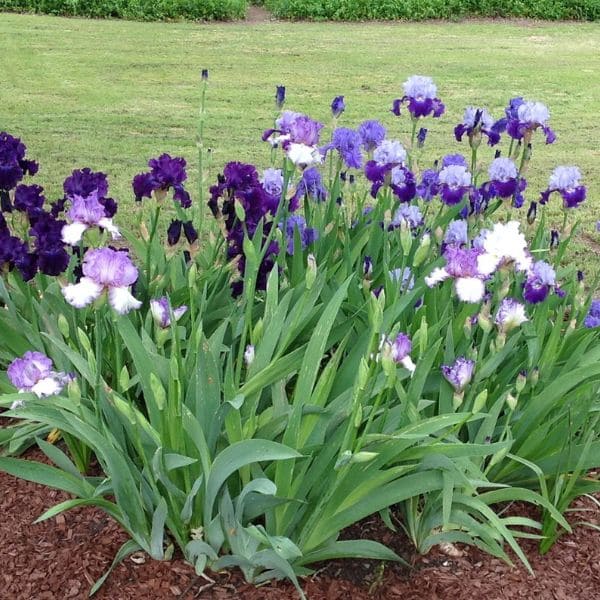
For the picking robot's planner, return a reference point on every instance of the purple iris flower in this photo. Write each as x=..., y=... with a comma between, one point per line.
x=523, y=118
x=428, y=188
x=401, y=349
x=460, y=373
x=272, y=182
x=455, y=182
x=372, y=133
x=161, y=312
x=311, y=186
x=13, y=164
x=86, y=212
x=105, y=270
x=348, y=143
x=510, y=314
x=454, y=159
x=405, y=277
x=165, y=173
x=338, y=106
x=33, y=373
x=403, y=184
x=390, y=156
x=592, y=319
x=477, y=121
x=84, y=183
x=505, y=181
x=29, y=198
x=567, y=182
x=540, y=280
x=420, y=94
x=308, y=235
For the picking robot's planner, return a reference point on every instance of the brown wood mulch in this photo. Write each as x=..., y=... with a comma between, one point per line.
x=62, y=557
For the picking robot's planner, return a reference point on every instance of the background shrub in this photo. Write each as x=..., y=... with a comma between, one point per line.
x=357, y=10
x=147, y=10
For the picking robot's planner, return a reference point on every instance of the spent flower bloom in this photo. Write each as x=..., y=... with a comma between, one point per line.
x=460, y=373
x=567, y=182
x=161, y=312
x=33, y=373
x=510, y=315
x=420, y=94
x=105, y=270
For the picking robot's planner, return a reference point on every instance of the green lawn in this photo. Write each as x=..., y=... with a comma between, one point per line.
x=111, y=94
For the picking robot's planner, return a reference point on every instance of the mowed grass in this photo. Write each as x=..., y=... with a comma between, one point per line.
x=111, y=94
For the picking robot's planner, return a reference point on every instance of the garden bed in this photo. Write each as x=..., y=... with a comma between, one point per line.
x=62, y=557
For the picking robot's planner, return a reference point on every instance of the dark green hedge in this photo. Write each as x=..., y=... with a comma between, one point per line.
x=146, y=10
x=358, y=10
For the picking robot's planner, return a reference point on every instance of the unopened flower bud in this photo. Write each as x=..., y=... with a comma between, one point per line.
x=439, y=234
x=257, y=332
x=63, y=326
x=74, y=391
x=240, y=212
x=363, y=456
x=311, y=271
x=280, y=96
x=204, y=75
x=344, y=459
x=480, y=401
x=422, y=250
x=457, y=399
x=406, y=238
x=521, y=381
x=531, y=213
x=249, y=355
x=511, y=401
x=534, y=376
x=554, y=239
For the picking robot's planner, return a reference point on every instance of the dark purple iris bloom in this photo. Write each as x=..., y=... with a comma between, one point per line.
x=523, y=118
x=13, y=164
x=348, y=143
x=420, y=96
x=477, y=121
x=372, y=133
x=85, y=182
x=402, y=183
x=307, y=235
x=174, y=232
x=540, y=280
x=49, y=248
x=29, y=198
x=310, y=185
x=455, y=182
x=338, y=106
x=429, y=186
x=279, y=96
x=165, y=173
x=566, y=181
x=593, y=317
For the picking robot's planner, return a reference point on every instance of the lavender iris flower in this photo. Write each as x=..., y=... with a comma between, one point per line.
x=420, y=95
x=401, y=349
x=161, y=312
x=33, y=373
x=348, y=143
x=372, y=133
x=592, y=319
x=311, y=186
x=455, y=182
x=405, y=277
x=83, y=214
x=105, y=270
x=540, y=280
x=454, y=159
x=307, y=235
x=477, y=121
x=456, y=234
x=567, y=182
x=409, y=214
x=460, y=373
x=428, y=188
x=338, y=106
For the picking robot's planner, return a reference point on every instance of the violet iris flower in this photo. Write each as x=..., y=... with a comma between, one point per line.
x=161, y=312
x=409, y=214
x=33, y=373
x=454, y=182
x=105, y=270
x=566, y=181
x=372, y=133
x=348, y=143
x=540, y=280
x=523, y=118
x=338, y=106
x=460, y=373
x=456, y=234
x=477, y=121
x=308, y=235
x=592, y=319
x=505, y=181
x=420, y=94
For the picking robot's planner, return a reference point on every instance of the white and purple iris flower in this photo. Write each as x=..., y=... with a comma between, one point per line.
x=86, y=212
x=459, y=374
x=454, y=182
x=408, y=215
x=105, y=270
x=523, y=117
x=387, y=167
x=33, y=373
x=477, y=121
x=510, y=315
x=161, y=312
x=566, y=181
x=505, y=181
x=500, y=246
x=420, y=94
x=298, y=135
x=398, y=350
x=462, y=267
x=541, y=279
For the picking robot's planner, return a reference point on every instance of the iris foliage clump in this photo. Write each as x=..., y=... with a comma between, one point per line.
x=362, y=328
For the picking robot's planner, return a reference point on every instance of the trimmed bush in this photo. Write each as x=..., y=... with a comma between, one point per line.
x=357, y=10
x=143, y=10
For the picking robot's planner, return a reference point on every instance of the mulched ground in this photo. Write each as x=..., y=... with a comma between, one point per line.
x=61, y=558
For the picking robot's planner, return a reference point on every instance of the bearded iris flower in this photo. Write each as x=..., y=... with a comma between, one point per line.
x=165, y=173
x=13, y=164
x=459, y=374
x=592, y=319
x=420, y=95
x=565, y=181
x=477, y=121
x=540, y=280
x=510, y=315
x=105, y=270
x=33, y=373
x=372, y=134
x=348, y=143
x=504, y=244
x=505, y=181
x=454, y=182
x=523, y=117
